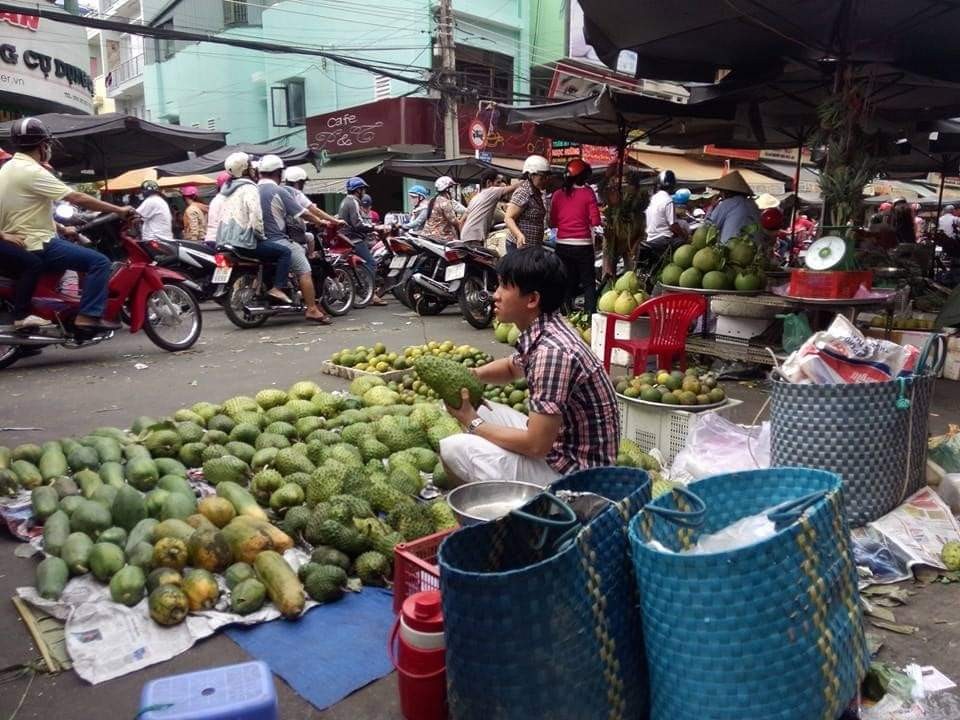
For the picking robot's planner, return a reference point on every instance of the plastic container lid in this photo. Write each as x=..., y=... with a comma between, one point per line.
x=422, y=612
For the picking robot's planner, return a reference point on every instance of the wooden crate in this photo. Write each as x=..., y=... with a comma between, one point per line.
x=348, y=373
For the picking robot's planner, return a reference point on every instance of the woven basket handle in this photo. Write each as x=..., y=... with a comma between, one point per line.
x=692, y=518
x=565, y=524
x=790, y=511
x=935, y=343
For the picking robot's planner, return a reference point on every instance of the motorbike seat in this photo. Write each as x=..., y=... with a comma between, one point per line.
x=242, y=253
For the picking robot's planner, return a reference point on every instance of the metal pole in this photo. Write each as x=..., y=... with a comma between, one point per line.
x=448, y=79
x=796, y=191
x=943, y=177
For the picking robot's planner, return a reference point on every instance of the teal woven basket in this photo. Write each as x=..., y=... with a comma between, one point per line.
x=772, y=630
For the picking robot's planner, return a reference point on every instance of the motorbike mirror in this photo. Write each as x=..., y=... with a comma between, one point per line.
x=64, y=212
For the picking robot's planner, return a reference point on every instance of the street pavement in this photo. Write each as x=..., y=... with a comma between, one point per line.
x=68, y=392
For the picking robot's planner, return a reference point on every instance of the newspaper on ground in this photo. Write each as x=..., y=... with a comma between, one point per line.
x=106, y=639
x=889, y=548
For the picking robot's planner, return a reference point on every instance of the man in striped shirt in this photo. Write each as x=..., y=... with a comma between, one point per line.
x=573, y=424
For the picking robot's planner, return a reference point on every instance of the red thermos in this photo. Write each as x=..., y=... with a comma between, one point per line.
x=417, y=651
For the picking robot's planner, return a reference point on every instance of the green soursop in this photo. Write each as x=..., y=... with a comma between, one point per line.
x=289, y=461
x=447, y=378
x=271, y=397
x=372, y=568
x=295, y=520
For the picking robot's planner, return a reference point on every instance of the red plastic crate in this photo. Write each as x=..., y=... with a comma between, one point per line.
x=828, y=284
x=415, y=567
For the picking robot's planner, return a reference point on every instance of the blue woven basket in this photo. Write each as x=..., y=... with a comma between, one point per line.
x=537, y=628
x=772, y=630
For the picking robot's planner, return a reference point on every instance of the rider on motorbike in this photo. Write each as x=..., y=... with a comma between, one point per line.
x=27, y=190
x=278, y=203
x=418, y=208
x=241, y=223
x=357, y=228
x=157, y=218
x=295, y=178
x=442, y=221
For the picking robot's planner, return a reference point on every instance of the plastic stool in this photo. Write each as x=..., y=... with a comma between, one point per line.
x=232, y=692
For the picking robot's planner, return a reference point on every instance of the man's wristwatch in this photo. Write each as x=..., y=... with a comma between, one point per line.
x=474, y=424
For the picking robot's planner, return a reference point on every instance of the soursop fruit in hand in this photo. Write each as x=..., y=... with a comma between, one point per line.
x=447, y=378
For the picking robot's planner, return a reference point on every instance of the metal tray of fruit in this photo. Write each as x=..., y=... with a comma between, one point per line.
x=674, y=406
x=702, y=291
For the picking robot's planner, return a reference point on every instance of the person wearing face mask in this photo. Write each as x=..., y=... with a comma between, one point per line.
x=442, y=221
x=527, y=212
x=27, y=192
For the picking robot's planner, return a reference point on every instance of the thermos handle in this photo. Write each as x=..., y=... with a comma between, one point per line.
x=392, y=653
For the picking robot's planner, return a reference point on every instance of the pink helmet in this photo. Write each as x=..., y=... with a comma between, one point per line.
x=223, y=178
x=189, y=191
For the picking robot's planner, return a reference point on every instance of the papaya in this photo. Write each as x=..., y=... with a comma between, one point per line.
x=142, y=472
x=135, y=451
x=283, y=586
x=174, y=528
x=154, y=501
x=168, y=605
x=27, y=473
x=76, y=553
x=108, y=449
x=52, y=576
x=209, y=550
x=141, y=424
x=201, y=589
x=128, y=585
x=88, y=481
x=170, y=552
x=9, y=482
x=111, y=432
x=237, y=573
x=83, y=458
x=56, y=530
x=106, y=559
x=5, y=458
x=116, y=535
x=91, y=517
x=105, y=495
x=111, y=473
x=65, y=486
x=217, y=510
x=246, y=541
x=178, y=506
x=199, y=522
x=44, y=501
x=247, y=596
x=242, y=501
x=70, y=503
x=176, y=484
x=29, y=452
x=163, y=576
x=53, y=464
x=129, y=507
x=280, y=541
x=141, y=532
x=170, y=466
x=141, y=555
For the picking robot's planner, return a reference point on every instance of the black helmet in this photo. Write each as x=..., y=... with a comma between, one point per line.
x=28, y=133
x=149, y=187
x=666, y=180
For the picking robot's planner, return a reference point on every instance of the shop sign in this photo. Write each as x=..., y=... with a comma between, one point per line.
x=45, y=64
x=734, y=153
x=396, y=122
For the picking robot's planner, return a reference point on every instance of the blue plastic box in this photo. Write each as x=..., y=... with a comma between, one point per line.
x=232, y=692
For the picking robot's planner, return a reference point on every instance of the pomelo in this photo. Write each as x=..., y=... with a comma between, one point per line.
x=715, y=280
x=683, y=256
x=671, y=274
x=707, y=259
x=691, y=278
x=749, y=280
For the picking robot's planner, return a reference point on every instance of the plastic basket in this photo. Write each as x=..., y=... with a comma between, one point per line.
x=245, y=691
x=415, y=567
x=828, y=284
x=666, y=430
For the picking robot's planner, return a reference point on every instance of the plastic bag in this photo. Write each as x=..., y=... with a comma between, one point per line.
x=796, y=330
x=745, y=531
x=715, y=445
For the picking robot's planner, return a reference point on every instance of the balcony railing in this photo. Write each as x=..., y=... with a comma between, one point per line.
x=125, y=72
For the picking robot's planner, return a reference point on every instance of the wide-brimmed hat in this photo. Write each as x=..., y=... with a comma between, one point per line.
x=732, y=182
x=766, y=200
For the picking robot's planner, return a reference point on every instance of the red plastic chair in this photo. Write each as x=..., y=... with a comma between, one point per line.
x=670, y=319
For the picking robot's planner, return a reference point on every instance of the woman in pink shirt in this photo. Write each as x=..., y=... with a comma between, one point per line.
x=574, y=214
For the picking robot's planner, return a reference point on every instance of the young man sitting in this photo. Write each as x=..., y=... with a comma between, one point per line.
x=573, y=422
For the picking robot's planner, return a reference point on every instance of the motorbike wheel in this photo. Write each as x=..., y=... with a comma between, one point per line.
x=337, y=293
x=476, y=304
x=400, y=293
x=364, y=286
x=173, y=306
x=242, y=291
x=426, y=306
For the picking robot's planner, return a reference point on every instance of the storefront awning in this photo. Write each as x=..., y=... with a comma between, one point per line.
x=698, y=173
x=330, y=178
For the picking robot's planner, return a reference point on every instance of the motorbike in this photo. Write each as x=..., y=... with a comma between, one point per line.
x=240, y=277
x=161, y=302
x=451, y=273
x=192, y=259
x=339, y=247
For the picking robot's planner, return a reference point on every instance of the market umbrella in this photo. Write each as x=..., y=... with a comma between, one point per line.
x=463, y=169
x=698, y=39
x=94, y=147
x=212, y=162
x=133, y=179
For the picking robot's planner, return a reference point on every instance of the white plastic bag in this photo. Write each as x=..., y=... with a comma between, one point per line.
x=715, y=445
x=745, y=531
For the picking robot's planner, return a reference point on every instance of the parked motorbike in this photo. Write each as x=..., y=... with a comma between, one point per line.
x=161, y=302
x=338, y=246
x=192, y=259
x=240, y=277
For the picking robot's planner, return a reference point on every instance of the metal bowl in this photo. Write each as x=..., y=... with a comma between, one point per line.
x=478, y=502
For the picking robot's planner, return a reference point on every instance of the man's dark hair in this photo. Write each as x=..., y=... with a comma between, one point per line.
x=532, y=268
x=488, y=176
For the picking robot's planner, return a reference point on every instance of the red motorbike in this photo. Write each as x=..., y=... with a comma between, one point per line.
x=159, y=301
x=340, y=254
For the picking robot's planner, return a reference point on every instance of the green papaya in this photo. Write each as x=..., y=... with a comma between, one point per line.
x=52, y=576
x=106, y=559
x=141, y=532
x=169, y=466
x=56, y=530
x=141, y=555
x=135, y=451
x=128, y=585
x=29, y=452
x=163, y=576
x=83, y=458
x=27, y=473
x=176, y=484
x=237, y=573
x=108, y=449
x=51, y=445
x=44, y=501
x=114, y=433
x=155, y=500
x=174, y=527
x=105, y=495
x=141, y=424
x=116, y=535
x=168, y=605
x=142, y=473
x=53, y=464
x=71, y=502
x=5, y=458
x=179, y=506
x=76, y=553
x=67, y=445
x=111, y=473
x=129, y=507
x=248, y=596
x=65, y=486
x=88, y=481
x=91, y=518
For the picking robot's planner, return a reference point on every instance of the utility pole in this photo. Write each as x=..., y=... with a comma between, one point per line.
x=448, y=79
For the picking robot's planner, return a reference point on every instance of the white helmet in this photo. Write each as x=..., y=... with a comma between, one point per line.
x=270, y=163
x=237, y=164
x=444, y=183
x=535, y=164
x=294, y=174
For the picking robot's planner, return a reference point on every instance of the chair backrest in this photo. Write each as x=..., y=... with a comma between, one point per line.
x=670, y=318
